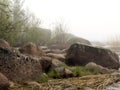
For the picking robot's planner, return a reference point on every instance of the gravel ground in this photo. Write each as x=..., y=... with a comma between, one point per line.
x=115, y=86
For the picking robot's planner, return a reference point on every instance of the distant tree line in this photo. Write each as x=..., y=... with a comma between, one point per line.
x=19, y=26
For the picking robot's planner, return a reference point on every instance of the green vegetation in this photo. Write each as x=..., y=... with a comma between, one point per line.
x=82, y=71
x=94, y=70
x=53, y=74
x=78, y=71
x=19, y=26
x=42, y=78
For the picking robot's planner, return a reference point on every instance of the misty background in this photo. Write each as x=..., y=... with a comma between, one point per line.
x=91, y=19
x=61, y=22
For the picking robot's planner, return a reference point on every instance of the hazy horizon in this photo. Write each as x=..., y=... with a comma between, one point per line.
x=90, y=19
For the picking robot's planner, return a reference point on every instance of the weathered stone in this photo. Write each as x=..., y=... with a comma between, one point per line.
x=60, y=57
x=116, y=74
x=63, y=72
x=4, y=82
x=18, y=67
x=57, y=63
x=4, y=44
x=34, y=84
x=31, y=49
x=68, y=73
x=79, y=54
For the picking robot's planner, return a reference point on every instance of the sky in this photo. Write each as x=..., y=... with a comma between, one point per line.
x=95, y=20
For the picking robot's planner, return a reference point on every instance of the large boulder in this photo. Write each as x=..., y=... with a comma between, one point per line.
x=4, y=82
x=18, y=67
x=4, y=44
x=31, y=49
x=79, y=54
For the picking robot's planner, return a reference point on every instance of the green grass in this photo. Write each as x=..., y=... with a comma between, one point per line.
x=94, y=70
x=77, y=71
x=53, y=74
x=82, y=71
x=42, y=78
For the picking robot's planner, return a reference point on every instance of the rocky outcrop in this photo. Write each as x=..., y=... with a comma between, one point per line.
x=31, y=49
x=4, y=44
x=79, y=54
x=18, y=67
x=4, y=82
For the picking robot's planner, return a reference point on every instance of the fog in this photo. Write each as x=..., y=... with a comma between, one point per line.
x=90, y=19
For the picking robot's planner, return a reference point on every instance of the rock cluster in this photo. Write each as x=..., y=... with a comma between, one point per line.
x=30, y=61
